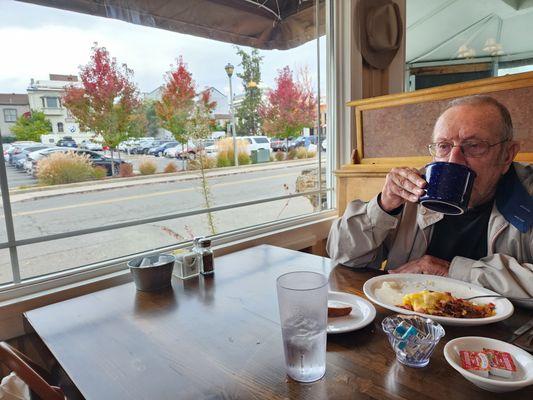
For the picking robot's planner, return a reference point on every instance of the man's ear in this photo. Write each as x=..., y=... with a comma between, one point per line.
x=510, y=153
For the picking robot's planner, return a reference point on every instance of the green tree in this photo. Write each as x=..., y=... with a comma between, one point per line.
x=152, y=122
x=249, y=120
x=30, y=126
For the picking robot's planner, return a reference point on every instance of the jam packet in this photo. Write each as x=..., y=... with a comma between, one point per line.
x=501, y=363
x=476, y=362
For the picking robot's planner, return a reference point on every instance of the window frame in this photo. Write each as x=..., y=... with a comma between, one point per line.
x=6, y=115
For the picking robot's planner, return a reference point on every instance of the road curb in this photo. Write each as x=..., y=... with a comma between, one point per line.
x=20, y=195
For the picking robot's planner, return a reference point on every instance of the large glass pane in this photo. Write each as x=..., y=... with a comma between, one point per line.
x=449, y=42
x=145, y=158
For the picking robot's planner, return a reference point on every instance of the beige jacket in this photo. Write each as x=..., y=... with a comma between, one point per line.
x=366, y=236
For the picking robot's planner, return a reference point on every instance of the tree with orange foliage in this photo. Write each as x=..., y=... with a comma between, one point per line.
x=177, y=101
x=289, y=108
x=108, y=102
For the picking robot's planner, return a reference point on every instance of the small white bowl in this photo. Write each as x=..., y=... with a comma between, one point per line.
x=523, y=360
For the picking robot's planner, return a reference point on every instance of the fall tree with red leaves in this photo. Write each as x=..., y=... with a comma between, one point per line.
x=108, y=102
x=289, y=107
x=177, y=101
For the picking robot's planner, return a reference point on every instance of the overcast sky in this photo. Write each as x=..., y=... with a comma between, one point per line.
x=40, y=40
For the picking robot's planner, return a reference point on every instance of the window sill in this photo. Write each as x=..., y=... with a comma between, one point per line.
x=294, y=234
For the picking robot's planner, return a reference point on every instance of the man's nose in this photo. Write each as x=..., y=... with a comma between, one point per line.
x=456, y=156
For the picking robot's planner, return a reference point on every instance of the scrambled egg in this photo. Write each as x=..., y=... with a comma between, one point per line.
x=425, y=301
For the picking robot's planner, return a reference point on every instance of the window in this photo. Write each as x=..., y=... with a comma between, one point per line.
x=51, y=102
x=483, y=40
x=91, y=225
x=10, y=115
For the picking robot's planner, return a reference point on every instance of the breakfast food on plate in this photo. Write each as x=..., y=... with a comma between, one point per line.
x=445, y=305
x=338, y=309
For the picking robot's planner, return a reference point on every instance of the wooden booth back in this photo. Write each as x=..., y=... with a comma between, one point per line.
x=394, y=130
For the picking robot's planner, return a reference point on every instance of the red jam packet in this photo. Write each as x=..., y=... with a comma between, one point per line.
x=501, y=363
x=474, y=361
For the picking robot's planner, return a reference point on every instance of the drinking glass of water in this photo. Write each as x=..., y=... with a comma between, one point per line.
x=303, y=310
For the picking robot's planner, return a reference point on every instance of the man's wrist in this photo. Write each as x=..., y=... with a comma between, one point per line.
x=393, y=212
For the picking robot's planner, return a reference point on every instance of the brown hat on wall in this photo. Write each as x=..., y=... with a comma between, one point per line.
x=380, y=31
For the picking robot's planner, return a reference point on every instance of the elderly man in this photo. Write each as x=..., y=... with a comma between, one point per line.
x=490, y=245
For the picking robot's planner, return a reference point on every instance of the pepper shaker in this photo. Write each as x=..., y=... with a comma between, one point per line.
x=206, y=257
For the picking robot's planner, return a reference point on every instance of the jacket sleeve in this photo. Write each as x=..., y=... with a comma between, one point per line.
x=357, y=239
x=498, y=272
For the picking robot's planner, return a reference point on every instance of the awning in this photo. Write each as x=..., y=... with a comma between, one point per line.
x=263, y=24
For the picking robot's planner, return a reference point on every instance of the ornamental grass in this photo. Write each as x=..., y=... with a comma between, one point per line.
x=61, y=168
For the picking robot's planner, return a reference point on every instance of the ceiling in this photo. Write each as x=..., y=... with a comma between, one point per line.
x=443, y=30
x=263, y=24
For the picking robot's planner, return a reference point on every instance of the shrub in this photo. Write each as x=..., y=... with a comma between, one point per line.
x=100, y=172
x=147, y=167
x=60, y=168
x=222, y=159
x=208, y=163
x=301, y=152
x=126, y=170
x=311, y=154
x=170, y=167
x=244, y=158
x=279, y=156
x=291, y=154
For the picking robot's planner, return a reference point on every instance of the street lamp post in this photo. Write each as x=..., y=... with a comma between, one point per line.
x=229, y=70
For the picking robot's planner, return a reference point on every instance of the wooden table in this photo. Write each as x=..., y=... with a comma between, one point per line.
x=219, y=337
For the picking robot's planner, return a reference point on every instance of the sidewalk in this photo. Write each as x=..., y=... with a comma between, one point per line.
x=40, y=192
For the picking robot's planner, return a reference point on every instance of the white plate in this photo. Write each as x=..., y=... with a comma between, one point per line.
x=363, y=313
x=415, y=283
x=523, y=361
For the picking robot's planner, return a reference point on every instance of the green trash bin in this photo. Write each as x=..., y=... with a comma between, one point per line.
x=253, y=156
x=263, y=155
x=260, y=156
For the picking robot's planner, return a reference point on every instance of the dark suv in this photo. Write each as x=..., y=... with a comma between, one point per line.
x=67, y=141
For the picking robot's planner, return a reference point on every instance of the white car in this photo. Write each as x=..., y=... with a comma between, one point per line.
x=87, y=144
x=256, y=143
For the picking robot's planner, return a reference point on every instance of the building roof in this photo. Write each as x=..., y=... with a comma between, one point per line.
x=14, y=99
x=63, y=78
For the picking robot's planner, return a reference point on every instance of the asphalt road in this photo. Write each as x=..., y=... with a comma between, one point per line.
x=70, y=212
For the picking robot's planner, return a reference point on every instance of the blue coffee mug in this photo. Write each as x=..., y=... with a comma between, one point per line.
x=449, y=187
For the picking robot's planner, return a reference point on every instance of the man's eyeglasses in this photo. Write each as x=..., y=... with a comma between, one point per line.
x=470, y=148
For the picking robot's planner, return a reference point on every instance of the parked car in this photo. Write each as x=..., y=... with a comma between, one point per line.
x=87, y=144
x=181, y=151
x=21, y=154
x=145, y=146
x=67, y=141
x=278, y=144
x=256, y=143
x=303, y=141
x=17, y=148
x=160, y=149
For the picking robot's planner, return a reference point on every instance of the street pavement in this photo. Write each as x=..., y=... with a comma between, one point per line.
x=71, y=207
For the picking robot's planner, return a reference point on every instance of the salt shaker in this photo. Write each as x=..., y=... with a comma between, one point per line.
x=206, y=257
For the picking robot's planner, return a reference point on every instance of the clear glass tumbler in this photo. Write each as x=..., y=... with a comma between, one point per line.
x=303, y=309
